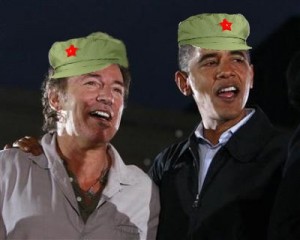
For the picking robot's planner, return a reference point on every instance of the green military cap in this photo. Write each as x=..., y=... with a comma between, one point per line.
x=86, y=54
x=217, y=31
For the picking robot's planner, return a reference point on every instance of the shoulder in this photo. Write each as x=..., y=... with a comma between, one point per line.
x=13, y=156
x=129, y=175
x=136, y=183
x=262, y=142
x=19, y=160
x=173, y=151
x=140, y=178
x=260, y=131
x=167, y=158
x=13, y=161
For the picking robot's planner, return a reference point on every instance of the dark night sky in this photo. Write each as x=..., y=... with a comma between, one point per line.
x=148, y=28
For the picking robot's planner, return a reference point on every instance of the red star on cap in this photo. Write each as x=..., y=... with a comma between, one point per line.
x=71, y=51
x=225, y=25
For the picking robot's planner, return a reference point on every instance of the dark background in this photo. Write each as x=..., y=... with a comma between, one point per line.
x=149, y=30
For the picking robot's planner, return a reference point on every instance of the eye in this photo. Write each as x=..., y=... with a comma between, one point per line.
x=91, y=83
x=209, y=62
x=118, y=90
x=238, y=59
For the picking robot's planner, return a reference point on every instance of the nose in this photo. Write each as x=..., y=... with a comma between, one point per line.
x=225, y=70
x=105, y=96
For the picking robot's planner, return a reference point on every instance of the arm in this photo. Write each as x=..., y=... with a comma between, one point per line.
x=2, y=226
x=164, y=161
x=154, y=207
x=2, y=229
x=159, y=164
x=155, y=171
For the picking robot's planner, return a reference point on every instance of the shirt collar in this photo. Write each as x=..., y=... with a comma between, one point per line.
x=228, y=133
x=119, y=173
x=119, y=168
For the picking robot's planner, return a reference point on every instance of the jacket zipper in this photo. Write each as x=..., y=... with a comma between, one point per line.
x=196, y=201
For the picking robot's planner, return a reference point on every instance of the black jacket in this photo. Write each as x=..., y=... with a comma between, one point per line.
x=285, y=220
x=238, y=191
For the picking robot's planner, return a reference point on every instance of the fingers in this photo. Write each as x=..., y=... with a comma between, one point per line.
x=7, y=146
x=29, y=144
x=23, y=144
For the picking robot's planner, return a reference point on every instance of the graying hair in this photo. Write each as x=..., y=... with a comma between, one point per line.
x=185, y=54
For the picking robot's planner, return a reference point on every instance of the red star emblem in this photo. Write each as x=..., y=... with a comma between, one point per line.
x=71, y=51
x=225, y=25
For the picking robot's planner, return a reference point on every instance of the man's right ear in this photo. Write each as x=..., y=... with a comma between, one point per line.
x=181, y=79
x=54, y=100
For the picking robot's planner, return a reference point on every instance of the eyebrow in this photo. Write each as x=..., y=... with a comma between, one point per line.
x=215, y=54
x=118, y=82
x=206, y=56
x=91, y=75
x=241, y=53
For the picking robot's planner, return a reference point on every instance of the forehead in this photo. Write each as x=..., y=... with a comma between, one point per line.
x=110, y=73
x=212, y=52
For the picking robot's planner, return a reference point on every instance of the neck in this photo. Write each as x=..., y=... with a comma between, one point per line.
x=85, y=163
x=213, y=129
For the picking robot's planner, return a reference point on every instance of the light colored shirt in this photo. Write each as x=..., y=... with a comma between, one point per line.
x=207, y=150
x=37, y=200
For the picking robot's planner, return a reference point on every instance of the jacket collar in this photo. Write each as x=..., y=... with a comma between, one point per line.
x=250, y=136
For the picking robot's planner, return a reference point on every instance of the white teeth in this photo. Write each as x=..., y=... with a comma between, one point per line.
x=228, y=89
x=101, y=114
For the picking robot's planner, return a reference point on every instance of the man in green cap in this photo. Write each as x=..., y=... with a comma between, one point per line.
x=79, y=188
x=220, y=182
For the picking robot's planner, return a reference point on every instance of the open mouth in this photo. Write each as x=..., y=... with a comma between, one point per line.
x=227, y=92
x=101, y=115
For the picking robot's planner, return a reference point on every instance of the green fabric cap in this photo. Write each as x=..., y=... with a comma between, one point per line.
x=87, y=54
x=216, y=31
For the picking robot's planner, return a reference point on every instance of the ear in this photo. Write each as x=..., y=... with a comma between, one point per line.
x=54, y=100
x=181, y=79
x=252, y=73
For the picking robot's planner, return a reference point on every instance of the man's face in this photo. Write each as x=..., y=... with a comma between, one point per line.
x=92, y=105
x=220, y=82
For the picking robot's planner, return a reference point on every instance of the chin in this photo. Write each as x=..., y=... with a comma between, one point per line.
x=231, y=114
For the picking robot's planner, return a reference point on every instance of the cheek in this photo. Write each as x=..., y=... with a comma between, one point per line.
x=119, y=112
x=201, y=87
x=201, y=80
x=249, y=83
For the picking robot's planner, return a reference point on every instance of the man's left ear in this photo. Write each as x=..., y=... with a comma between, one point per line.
x=252, y=73
x=182, y=83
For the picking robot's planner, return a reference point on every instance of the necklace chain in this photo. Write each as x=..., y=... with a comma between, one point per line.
x=102, y=179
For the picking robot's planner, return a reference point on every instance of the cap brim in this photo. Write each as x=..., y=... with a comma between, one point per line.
x=230, y=44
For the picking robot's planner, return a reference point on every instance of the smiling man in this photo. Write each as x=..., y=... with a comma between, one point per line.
x=79, y=188
x=219, y=183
